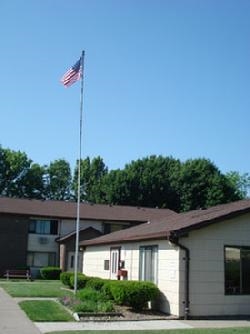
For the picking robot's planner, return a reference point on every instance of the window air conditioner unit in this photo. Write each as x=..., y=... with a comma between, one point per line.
x=43, y=240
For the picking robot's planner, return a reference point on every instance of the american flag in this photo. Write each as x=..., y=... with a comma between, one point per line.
x=73, y=74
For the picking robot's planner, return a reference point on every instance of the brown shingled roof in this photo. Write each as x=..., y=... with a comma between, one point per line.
x=72, y=234
x=62, y=209
x=175, y=225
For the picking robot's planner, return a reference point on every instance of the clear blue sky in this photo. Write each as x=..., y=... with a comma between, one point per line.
x=169, y=77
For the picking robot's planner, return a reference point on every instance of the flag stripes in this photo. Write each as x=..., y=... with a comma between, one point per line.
x=73, y=74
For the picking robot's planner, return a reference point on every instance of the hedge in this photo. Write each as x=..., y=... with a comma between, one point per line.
x=96, y=283
x=65, y=277
x=135, y=294
x=50, y=273
x=81, y=281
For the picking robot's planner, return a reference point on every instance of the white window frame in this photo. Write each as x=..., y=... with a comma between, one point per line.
x=148, y=263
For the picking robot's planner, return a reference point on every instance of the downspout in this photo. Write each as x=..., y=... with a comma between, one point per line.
x=175, y=241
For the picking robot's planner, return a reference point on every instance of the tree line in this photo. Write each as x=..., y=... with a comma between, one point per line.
x=154, y=181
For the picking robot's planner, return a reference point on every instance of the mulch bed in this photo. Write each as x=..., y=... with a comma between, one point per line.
x=123, y=313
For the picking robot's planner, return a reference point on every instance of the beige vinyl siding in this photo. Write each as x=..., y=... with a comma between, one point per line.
x=168, y=268
x=207, y=291
x=93, y=261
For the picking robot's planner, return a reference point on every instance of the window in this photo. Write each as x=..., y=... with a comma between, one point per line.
x=71, y=261
x=114, y=261
x=148, y=263
x=41, y=259
x=43, y=226
x=106, y=264
x=237, y=270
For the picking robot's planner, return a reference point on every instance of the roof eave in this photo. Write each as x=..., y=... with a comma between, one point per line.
x=183, y=231
x=153, y=236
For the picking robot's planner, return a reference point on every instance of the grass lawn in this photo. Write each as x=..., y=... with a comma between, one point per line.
x=39, y=288
x=45, y=310
x=170, y=331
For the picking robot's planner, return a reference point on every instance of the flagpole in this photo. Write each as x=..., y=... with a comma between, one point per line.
x=79, y=179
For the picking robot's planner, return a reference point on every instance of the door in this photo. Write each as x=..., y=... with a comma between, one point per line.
x=114, y=261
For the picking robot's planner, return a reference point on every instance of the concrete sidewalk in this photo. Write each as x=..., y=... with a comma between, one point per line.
x=113, y=325
x=141, y=325
x=12, y=319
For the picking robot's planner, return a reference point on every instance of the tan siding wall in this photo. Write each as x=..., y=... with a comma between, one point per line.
x=93, y=261
x=168, y=269
x=206, y=246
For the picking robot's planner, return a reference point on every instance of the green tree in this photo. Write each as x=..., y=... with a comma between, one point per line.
x=92, y=173
x=149, y=182
x=241, y=183
x=153, y=180
x=19, y=177
x=115, y=188
x=32, y=183
x=57, y=180
x=202, y=185
x=165, y=182
x=13, y=167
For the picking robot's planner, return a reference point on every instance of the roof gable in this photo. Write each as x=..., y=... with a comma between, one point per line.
x=174, y=226
x=85, y=231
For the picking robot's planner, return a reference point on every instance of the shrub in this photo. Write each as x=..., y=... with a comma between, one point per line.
x=135, y=294
x=65, y=277
x=92, y=306
x=92, y=301
x=95, y=283
x=90, y=294
x=139, y=293
x=105, y=306
x=50, y=273
x=81, y=281
x=106, y=289
x=86, y=306
x=118, y=291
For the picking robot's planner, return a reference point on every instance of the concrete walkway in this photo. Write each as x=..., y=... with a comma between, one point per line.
x=140, y=325
x=13, y=320
x=114, y=326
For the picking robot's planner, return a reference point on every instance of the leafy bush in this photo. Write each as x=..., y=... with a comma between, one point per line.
x=139, y=293
x=92, y=306
x=93, y=301
x=105, y=306
x=96, y=283
x=81, y=281
x=65, y=277
x=50, y=273
x=106, y=289
x=135, y=294
x=90, y=294
x=118, y=291
x=86, y=306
